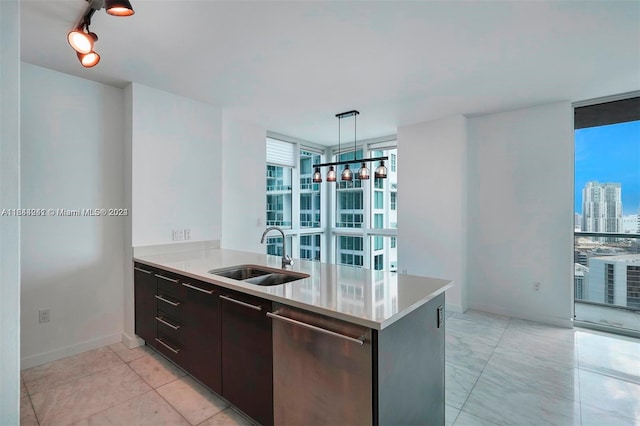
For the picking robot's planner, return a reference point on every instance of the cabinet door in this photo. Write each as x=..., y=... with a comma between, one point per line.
x=247, y=356
x=202, y=352
x=145, y=303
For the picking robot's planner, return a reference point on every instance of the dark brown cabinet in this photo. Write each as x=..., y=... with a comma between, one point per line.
x=220, y=337
x=170, y=297
x=247, y=355
x=202, y=345
x=145, y=302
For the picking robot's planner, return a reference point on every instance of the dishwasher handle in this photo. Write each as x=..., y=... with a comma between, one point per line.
x=359, y=340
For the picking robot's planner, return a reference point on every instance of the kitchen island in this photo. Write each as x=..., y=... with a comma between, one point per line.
x=342, y=345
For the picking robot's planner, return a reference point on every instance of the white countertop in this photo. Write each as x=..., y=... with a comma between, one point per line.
x=375, y=299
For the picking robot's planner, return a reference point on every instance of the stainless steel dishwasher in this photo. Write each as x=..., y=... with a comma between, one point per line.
x=322, y=369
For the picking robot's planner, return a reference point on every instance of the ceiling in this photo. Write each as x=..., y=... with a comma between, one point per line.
x=291, y=66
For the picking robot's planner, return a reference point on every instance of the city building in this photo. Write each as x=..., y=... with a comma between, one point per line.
x=602, y=207
x=630, y=224
x=614, y=280
x=580, y=272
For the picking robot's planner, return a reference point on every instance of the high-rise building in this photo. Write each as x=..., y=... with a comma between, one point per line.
x=602, y=207
x=614, y=280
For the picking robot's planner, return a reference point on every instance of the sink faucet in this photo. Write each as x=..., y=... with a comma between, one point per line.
x=286, y=260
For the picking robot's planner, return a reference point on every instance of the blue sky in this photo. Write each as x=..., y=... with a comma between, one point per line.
x=609, y=154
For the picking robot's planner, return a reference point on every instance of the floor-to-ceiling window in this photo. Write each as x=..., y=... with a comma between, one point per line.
x=351, y=223
x=607, y=214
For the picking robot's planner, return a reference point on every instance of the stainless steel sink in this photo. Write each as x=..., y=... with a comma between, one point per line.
x=258, y=275
x=275, y=279
x=241, y=272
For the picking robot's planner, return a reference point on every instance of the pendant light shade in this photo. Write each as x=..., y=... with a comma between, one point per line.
x=363, y=173
x=119, y=7
x=381, y=171
x=347, y=174
x=331, y=175
x=89, y=60
x=317, y=176
x=81, y=41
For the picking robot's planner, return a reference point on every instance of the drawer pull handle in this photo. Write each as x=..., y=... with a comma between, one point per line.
x=197, y=288
x=166, y=278
x=359, y=340
x=142, y=270
x=161, y=341
x=248, y=305
x=171, y=302
x=167, y=323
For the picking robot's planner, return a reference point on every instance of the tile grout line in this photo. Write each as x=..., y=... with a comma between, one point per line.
x=156, y=389
x=111, y=406
x=169, y=404
x=30, y=401
x=481, y=372
x=151, y=389
x=79, y=377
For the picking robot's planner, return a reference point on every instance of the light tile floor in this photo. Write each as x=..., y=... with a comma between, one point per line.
x=499, y=371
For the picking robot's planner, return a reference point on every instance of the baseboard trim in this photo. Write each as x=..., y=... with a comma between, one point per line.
x=452, y=307
x=56, y=354
x=556, y=321
x=132, y=341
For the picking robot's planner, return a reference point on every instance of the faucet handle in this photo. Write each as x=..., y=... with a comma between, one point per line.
x=287, y=260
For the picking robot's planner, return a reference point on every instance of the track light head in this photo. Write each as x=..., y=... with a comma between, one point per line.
x=119, y=7
x=81, y=41
x=89, y=60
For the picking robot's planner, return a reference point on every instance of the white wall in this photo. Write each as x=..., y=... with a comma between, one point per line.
x=176, y=159
x=520, y=217
x=72, y=154
x=9, y=199
x=432, y=232
x=243, y=189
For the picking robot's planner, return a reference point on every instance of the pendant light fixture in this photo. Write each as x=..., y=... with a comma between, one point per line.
x=347, y=174
x=317, y=176
x=381, y=171
x=82, y=40
x=363, y=173
x=331, y=175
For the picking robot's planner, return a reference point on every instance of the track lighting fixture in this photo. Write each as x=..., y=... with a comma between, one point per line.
x=82, y=40
x=89, y=60
x=118, y=7
x=347, y=173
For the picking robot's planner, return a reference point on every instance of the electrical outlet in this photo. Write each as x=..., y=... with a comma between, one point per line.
x=178, y=235
x=44, y=315
x=536, y=286
x=404, y=271
x=187, y=234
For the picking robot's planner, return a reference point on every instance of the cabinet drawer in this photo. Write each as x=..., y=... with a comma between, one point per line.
x=170, y=327
x=169, y=284
x=170, y=305
x=170, y=348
